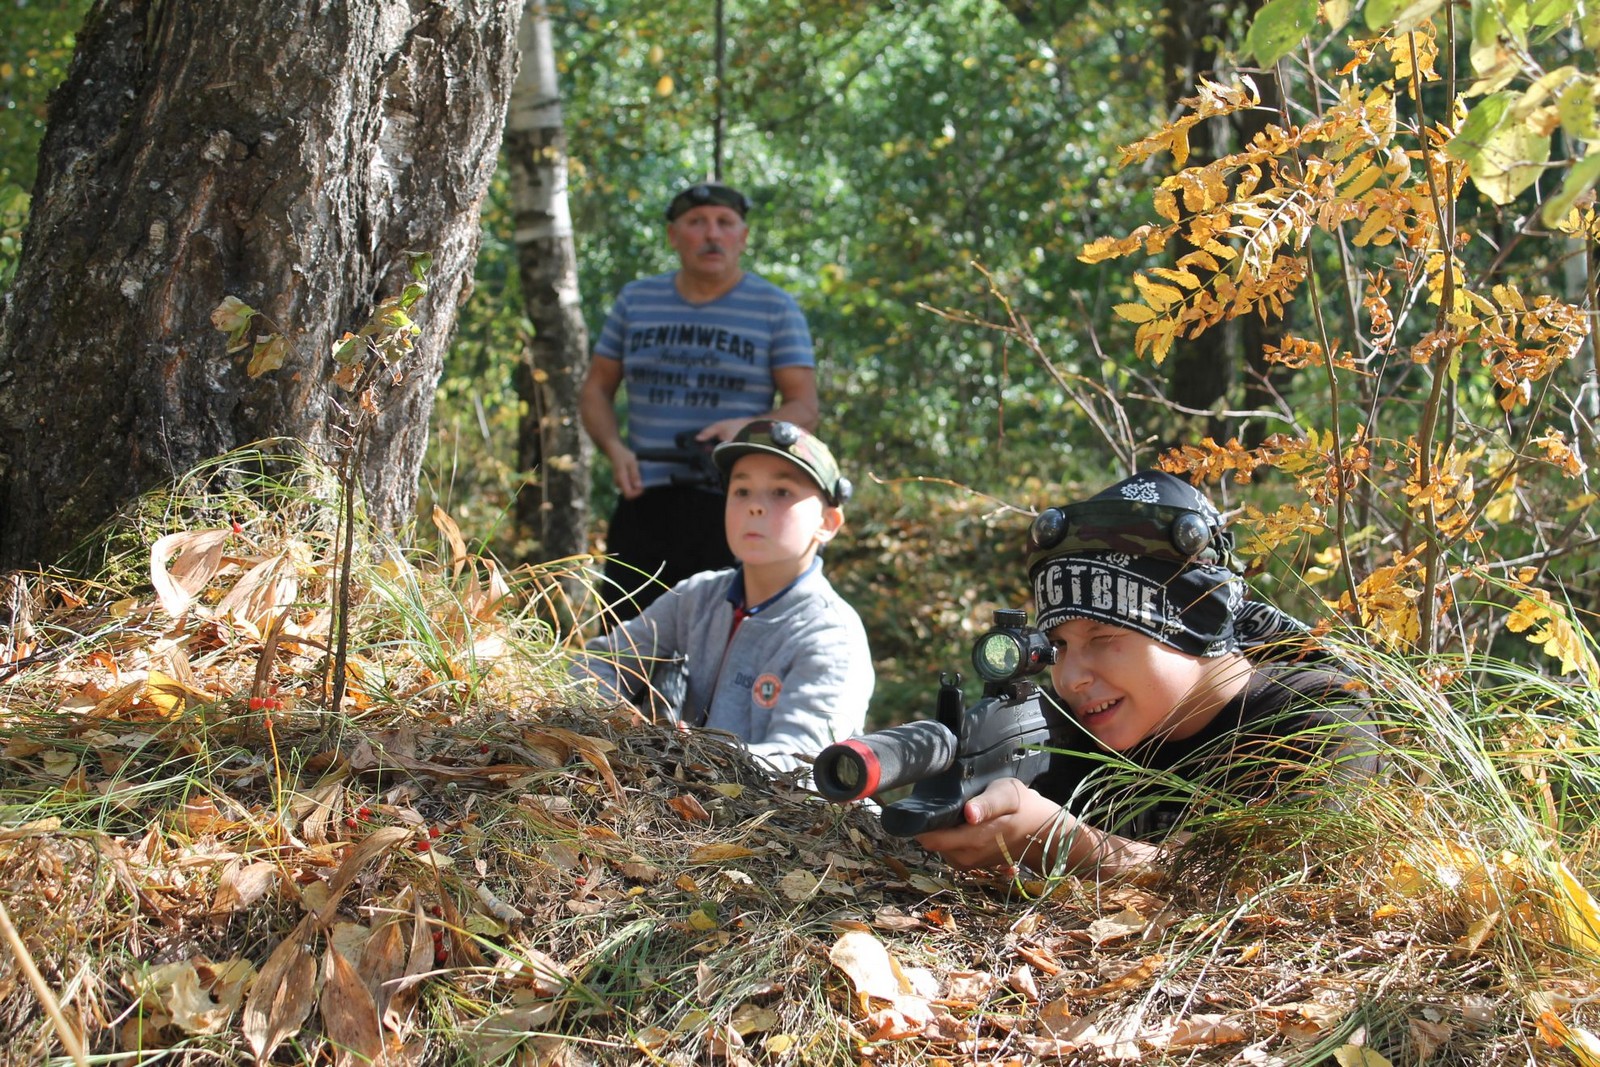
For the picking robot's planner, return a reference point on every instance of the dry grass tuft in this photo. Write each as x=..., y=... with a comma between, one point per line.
x=207, y=866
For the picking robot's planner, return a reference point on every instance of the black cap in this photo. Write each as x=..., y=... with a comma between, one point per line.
x=702, y=194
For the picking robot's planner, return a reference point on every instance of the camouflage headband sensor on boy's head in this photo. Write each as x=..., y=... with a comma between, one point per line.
x=1149, y=554
x=1135, y=527
x=780, y=438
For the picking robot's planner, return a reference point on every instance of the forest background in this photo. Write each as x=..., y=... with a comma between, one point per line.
x=1039, y=245
x=927, y=179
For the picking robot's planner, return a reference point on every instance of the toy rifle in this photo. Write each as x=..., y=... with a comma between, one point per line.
x=687, y=453
x=953, y=757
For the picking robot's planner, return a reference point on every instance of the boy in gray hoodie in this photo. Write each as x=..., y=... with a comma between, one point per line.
x=765, y=650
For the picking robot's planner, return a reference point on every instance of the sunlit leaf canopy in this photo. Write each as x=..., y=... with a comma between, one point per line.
x=888, y=147
x=894, y=149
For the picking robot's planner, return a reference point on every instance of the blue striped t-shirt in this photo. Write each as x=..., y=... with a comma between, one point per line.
x=689, y=365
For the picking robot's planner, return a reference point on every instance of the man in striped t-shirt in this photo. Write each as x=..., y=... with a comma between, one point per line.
x=703, y=349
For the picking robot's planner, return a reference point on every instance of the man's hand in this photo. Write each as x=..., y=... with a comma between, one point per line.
x=625, y=471
x=723, y=430
x=1005, y=824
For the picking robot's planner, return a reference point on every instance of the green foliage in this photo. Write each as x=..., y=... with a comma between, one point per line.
x=471, y=467
x=34, y=52
x=13, y=217
x=887, y=148
x=1432, y=372
x=1279, y=27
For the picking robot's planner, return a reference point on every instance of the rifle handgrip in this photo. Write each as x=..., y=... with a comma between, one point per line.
x=910, y=817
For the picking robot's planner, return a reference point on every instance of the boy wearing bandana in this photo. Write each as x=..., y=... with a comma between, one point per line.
x=766, y=651
x=1161, y=658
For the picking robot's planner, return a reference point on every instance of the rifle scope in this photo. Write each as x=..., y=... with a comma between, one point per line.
x=1011, y=649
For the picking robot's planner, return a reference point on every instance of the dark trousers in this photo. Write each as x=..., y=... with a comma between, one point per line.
x=669, y=532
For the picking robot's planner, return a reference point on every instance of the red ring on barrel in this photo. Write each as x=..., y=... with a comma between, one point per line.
x=869, y=763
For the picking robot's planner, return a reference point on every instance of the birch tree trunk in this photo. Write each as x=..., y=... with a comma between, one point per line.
x=553, y=505
x=292, y=153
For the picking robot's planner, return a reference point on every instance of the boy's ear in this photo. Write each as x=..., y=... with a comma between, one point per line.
x=832, y=520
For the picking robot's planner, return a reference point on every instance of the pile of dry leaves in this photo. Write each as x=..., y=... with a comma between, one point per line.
x=202, y=864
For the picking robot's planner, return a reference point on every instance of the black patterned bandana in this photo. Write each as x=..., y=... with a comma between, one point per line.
x=1189, y=600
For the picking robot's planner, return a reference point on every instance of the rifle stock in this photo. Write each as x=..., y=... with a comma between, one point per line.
x=689, y=453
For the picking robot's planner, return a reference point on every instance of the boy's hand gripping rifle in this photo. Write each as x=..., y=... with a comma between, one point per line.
x=687, y=453
x=953, y=757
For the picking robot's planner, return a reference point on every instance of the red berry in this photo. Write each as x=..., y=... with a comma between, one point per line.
x=237, y=527
x=256, y=703
x=364, y=812
x=441, y=957
x=435, y=910
x=433, y=831
x=483, y=748
x=423, y=846
x=351, y=823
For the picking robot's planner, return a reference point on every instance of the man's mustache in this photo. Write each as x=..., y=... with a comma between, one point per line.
x=710, y=247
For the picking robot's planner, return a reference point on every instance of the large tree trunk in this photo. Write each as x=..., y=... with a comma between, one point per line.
x=553, y=504
x=291, y=153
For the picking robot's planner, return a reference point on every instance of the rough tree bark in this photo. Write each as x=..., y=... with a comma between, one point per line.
x=292, y=153
x=553, y=505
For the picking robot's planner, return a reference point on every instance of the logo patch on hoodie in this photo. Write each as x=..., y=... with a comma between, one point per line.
x=766, y=689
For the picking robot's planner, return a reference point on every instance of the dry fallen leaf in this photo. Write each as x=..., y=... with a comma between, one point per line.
x=1021, y=980
x=1125, y=923
x=1199, y=1030
x=497, y=1035
x=348, y=1014
x=754, y=1019
x=375, y=844
x=798, y=885
x=719, y=853
x=1360, y=1056
x=1429, y=1037
x=240, y=887
x=283, y=993
x=200, y=997
x=877, y=978
x=968, y=987
x=182, y=563
x=687, y=806
x=1135, y=975
x=1057, y=1019
x=383, y=958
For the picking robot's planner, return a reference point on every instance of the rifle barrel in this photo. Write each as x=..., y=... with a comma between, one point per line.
x=872, y=763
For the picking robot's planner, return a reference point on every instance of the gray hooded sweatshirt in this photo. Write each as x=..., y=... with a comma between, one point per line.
x=795, y=677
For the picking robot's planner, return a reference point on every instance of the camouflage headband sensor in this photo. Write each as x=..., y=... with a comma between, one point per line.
x=707, y=194
x=1134, y=527
x=780, y=438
